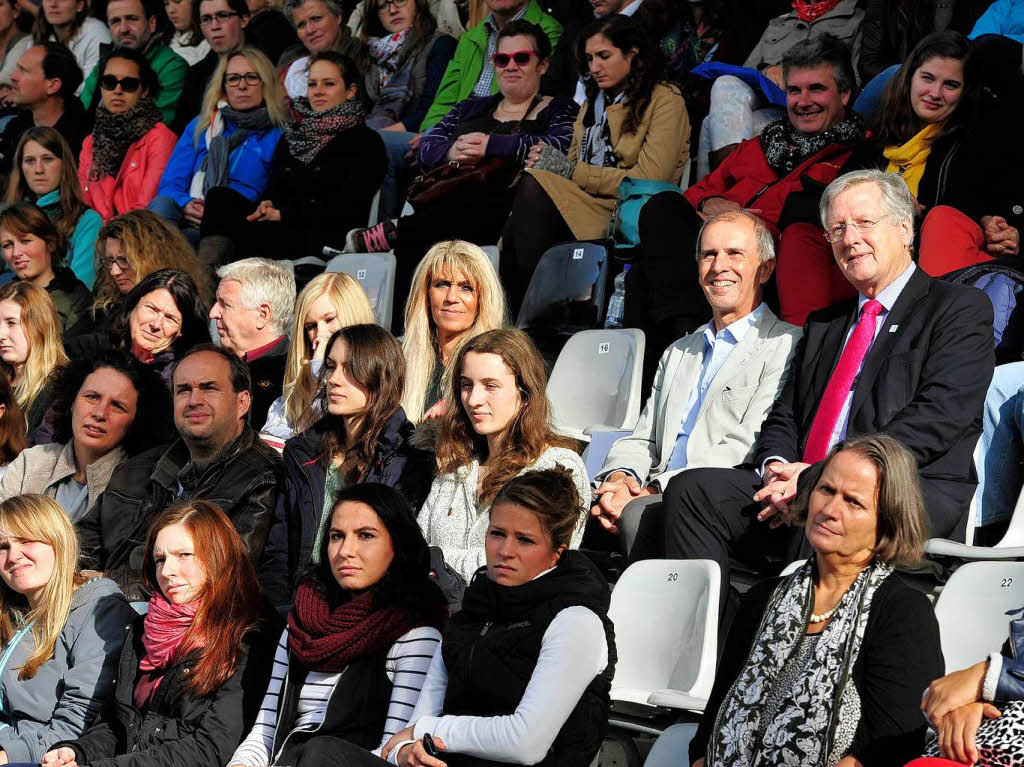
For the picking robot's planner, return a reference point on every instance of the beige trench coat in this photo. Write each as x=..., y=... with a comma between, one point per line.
x=657, y=152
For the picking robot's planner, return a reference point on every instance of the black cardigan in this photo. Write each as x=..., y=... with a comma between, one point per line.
x=900, y=656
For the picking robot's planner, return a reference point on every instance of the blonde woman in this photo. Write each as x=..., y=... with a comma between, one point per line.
x=30, y=346
x=132, y=246
x=243, y=95
x=330, y=302
x=63, y=631
x=455, y=296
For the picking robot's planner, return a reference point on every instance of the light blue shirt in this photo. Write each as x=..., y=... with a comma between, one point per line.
x=717, y=348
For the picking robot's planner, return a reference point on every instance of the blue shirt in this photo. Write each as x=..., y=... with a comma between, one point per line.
x=717, y=348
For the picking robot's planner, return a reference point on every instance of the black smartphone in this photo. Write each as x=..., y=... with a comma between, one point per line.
x=429, y=747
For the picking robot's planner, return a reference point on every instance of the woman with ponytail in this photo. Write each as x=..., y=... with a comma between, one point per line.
x=193, y=668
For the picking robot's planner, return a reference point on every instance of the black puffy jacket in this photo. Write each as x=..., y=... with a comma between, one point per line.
x=177, y=729
x=243, y=480
x=398, y=464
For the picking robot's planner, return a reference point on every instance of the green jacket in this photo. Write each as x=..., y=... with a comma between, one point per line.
x=465, y=67
x=170, y=71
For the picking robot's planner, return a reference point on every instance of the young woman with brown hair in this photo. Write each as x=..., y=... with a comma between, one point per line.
x=193, y=668
x=363, y=436
x=496, y=426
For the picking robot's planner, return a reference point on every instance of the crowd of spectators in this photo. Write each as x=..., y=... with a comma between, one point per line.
x=243, y=525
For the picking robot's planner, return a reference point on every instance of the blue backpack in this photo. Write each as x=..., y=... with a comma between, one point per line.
x=1002, y=280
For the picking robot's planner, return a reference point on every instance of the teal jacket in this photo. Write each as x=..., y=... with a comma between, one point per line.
x=170, y=71
x=81, y=258
x=465, y=67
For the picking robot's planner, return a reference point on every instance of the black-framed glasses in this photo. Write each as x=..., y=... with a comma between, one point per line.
x=235, y=79
x=128, y=84
x=207, y=18
x=121, y=261
x=384, y=5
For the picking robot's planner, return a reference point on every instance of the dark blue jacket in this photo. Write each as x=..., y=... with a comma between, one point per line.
x=1011, y=678
x=398, y=464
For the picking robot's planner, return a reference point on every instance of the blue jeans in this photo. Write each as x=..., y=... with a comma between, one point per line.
x=391, y=197
x=871, y=97
x=169, y=210
x=1001, y=446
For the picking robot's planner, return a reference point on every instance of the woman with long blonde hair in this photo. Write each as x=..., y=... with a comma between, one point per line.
x=244, y=94
x=455, y=296
x=63, y=630
x=496, y=426
x=331, y=301
x=30, y=346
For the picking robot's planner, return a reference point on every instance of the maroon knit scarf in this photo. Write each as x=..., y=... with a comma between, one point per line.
x=812, y=10
x=326, y=638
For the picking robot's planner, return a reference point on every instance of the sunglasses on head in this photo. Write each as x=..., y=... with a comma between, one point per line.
x=128, y=84
x=521, y=58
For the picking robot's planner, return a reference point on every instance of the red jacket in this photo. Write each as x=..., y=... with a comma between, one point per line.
x=136, y=182
x=746, y=178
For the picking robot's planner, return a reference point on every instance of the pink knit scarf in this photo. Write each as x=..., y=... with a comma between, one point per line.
x=165, y=627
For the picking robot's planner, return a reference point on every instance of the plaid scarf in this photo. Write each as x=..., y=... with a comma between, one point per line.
x=112, y=134
x=313, y=130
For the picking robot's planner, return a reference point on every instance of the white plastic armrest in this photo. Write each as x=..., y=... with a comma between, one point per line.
x=946, y=548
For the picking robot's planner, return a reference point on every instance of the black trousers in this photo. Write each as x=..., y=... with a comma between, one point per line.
x=533, y=226
x=711, y=514
x=328, y=751
x=663, y=293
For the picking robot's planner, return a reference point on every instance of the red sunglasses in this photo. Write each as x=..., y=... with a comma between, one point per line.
x=521, y=58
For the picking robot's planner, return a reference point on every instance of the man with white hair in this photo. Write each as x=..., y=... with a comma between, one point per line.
x=253, y=312
x=910, y=357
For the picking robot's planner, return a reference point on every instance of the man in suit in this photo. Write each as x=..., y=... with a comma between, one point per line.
x=714, y=387
x=910, y=357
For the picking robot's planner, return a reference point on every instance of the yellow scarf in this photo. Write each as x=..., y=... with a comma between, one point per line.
x=909, y=160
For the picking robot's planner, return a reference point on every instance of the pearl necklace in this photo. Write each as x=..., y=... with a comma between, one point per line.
x=815, y=618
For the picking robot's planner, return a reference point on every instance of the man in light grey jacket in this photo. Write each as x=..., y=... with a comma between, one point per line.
x=714, y=387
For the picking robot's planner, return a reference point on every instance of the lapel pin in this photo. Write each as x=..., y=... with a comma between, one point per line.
x=893, y=328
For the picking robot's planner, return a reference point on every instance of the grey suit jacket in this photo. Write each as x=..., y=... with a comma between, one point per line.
x=731, y=414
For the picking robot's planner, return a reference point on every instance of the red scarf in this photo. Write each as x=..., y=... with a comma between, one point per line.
x=163, y=631
x=327, y=638
x=810, y=11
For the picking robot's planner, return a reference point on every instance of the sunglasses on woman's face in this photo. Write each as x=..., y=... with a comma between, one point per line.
x=521, y=58
x=128, y=84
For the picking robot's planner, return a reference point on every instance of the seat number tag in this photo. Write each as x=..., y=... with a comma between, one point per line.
x=577, y=254
x=604, y=347
x=360, y=274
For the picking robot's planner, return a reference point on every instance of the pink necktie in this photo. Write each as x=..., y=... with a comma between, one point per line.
x=839, y=384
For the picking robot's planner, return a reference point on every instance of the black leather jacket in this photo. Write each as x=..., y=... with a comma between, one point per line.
x=243, y=480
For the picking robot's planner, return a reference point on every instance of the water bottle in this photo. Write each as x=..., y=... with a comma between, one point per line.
x=617, y=303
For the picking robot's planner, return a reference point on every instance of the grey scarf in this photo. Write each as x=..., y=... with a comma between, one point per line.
x=215, y=164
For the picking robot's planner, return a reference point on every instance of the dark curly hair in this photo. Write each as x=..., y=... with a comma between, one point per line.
x=195, y=328
x=152, y=425
x=407, y=581
x=644, y=72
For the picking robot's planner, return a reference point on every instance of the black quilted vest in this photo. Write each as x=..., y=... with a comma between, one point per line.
x=491, y=647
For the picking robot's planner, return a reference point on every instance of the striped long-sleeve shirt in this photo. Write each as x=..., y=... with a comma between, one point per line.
x=406, y=666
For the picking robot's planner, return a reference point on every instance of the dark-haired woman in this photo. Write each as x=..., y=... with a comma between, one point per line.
x=534, y=691
x=364, y=436
x=495, y=427
x=405, y=58
x=161, y=319
x=630, y=126
x=124, y=157
x=322, y=180
x=106, y=408
x=194, y=667
x=45, y=171
x=481, y=129
x=930, y=130
x=32, y=246
x=12, y=427
x=360, y=637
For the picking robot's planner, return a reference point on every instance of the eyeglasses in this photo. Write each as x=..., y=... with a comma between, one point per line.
x=384, y=5
x=862, y=225
x=121, y=261
x=128, y=84
x=521, y=58
x=234, y=79
x=207, y=18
